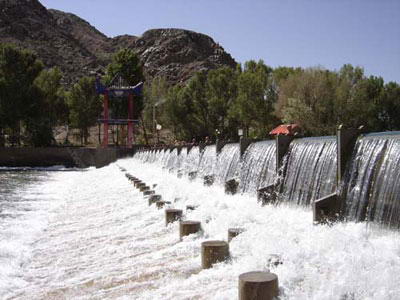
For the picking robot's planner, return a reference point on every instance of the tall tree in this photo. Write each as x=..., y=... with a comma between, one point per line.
x=19, y=97
x=84, y=105
x=256, y=97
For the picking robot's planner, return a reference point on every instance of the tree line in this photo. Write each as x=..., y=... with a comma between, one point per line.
x=254, y=97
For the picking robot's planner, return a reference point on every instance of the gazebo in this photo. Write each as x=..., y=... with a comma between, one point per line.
x=118, y=88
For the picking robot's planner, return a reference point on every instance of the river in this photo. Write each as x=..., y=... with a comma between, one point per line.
x=91, y=235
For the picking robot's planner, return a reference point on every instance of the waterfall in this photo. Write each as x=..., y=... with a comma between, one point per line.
x=208, y=161
x=258, y=166
x=373, y=188
x=228, y=161
x=192, y=160
x=310, y=170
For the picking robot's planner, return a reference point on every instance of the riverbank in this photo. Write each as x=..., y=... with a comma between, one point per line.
x=65, y=156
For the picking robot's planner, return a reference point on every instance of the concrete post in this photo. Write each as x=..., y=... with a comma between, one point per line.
x=192, y=175
x=243, y=144
x=172, y=215
x=219, y=145
x=213, y=252
x=161, y=204
x=148, y=193
x=190, y=207
x=208, y=180
x=234, y=232
x=258, y=286
x=140, y=185
x=329, y=208
x=231, y=186
x=202, y=146
x=346, y=139
x=188, y=148
x=188, y=227
x=282, y=146
x=267, y=194
x=154, y=198
x=144, y=188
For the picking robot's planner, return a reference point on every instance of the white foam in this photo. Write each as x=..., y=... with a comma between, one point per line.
x=103, y=241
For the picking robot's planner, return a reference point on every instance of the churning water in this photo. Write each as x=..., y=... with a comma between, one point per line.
x=91, y=235
x=310, y=170
x=373, y=189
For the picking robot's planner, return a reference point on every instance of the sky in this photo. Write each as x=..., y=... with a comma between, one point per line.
x=305, y=33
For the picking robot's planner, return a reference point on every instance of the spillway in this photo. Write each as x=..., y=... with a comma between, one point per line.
x=373, y=189
x=310, y=170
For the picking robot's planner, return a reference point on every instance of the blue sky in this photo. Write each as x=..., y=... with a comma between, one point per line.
x=304, y=33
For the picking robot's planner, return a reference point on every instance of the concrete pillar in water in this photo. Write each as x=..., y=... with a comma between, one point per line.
x=329, y=207
x=148, y=193
x=243, y=144
x=202, y=146
x=234, y=232
x=188, y=227
x=192, y=175
x=140, y=184
x=172, y=215
x=267, y=194
x=258, y=286
x=144, y=188
x=231, y=186
x=154, y=198
x=208, y=180
x=161, y=204
x=190, y=207
x=282, y=146
x=188, y=148
x=213, y=252
x=346, y=140
x=219, y=145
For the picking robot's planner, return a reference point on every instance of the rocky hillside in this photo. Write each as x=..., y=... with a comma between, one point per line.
x=65, y=40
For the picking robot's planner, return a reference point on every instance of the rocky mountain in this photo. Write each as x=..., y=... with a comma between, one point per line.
x=65, y=40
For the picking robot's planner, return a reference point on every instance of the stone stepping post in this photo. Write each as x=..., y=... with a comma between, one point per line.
x=213, y=252
x=161, y=204
x=258, y=286
x=154, y=198
x=172, y=215
x=144, y=188
x=141, y=184
x=234, y=232
x=148, y=193
x=188, y=227
x=190, y=207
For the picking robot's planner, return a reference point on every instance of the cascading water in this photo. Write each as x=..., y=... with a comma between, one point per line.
x=310, y=170
x=258, y=167
x=208, y=161
x=172, y=161
x=228, y=162
x=373, y=189
x=192, y=160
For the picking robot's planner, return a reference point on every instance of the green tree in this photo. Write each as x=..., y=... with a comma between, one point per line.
x=19, y=97
x=155, y=95
x=221, y=92
x=84, y=105
x=390, y=107
x=256, y=97
x=54, y=104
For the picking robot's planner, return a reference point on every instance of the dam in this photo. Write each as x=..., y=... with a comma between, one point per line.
x=88, y=233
